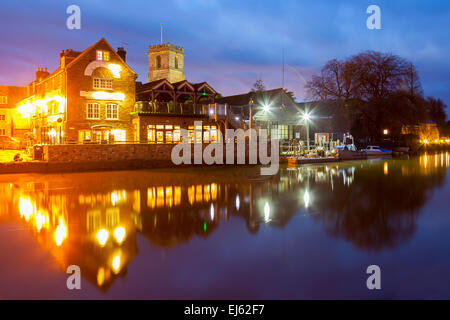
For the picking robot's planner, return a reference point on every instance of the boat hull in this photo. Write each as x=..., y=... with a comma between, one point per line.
x=352, y=155
x=378, y=153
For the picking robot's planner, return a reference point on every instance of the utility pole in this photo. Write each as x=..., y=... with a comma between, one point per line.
x=250, y=116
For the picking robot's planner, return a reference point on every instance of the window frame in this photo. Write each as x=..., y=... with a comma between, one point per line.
x=100, y=55
x=93, y=112
x=108, y=105
x=101, y=86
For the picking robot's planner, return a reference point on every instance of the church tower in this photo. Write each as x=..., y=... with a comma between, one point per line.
x=165, y=61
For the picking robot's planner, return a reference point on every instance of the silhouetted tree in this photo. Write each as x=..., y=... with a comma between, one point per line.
x=376, y=90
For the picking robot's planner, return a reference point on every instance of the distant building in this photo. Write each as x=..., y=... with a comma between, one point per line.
x=88, y=98
x=11, y=125
x=426, y=132
x=271, y=109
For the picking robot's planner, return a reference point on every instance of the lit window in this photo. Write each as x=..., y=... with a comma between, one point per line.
x=2, y=117
x=84, y=135
x=103, y=83
x=112, y=111
x=151, y=135
x=2, y=132
x=119, y=135
x=3, y=99
x=102, y=55
x=93, y=111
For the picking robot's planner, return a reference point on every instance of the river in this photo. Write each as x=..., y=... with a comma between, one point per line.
x=309, y=232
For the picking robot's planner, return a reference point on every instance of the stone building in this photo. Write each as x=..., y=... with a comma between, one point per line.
x=88, y=98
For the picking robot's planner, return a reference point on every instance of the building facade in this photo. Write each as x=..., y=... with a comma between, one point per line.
x=87, y=99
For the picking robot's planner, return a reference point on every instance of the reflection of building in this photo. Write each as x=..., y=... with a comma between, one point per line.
x=89, y=97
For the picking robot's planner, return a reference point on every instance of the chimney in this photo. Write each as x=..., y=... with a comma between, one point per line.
x=41, y=74
x=122, y=53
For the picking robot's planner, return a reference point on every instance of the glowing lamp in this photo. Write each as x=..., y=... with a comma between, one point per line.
x=115, y=69
x=119, y=234
x=102, y=236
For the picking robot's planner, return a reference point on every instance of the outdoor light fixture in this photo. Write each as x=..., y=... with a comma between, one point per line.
x=115, y=69
x=385, y=131
x=266, y=108
x=306, y=116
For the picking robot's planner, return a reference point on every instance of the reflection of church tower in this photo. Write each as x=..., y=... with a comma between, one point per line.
x=165, y=61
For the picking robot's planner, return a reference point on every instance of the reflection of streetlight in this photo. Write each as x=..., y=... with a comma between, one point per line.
x=307, y=118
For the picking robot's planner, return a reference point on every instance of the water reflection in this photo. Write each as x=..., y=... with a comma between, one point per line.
x=93, y=219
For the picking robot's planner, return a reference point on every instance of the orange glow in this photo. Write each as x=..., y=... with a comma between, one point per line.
x=119, y=234
x=60, y=233
x=102, y=236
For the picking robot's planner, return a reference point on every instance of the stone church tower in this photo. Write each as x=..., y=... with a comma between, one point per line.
x=165, y=61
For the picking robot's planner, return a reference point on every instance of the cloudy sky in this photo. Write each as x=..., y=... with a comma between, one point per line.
x=231, y=43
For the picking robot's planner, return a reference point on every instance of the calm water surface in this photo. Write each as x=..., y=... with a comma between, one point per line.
x=208, y=233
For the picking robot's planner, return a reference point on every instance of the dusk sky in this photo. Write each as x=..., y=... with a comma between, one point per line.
x=232, y=43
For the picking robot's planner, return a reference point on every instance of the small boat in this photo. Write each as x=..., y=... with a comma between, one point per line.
x=377, y=151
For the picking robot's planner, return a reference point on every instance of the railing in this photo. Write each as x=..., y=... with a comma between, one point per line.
x=179, y=108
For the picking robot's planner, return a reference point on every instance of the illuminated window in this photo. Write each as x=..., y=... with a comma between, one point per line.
x=103, y=83
x=2, y=132
x=93, y=111
x=84, y=135
x=176, y=134
x=160, y=136
x=3, y=99
x=213, y=134
x=151, y=135
x=176, y=62
x=191, y=134
x=112, y=111
x=206, y=133
x=2, y=117
x=102, y=55
x=119, y=135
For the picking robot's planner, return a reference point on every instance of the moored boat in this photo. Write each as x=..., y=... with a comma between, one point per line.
x=377, y=151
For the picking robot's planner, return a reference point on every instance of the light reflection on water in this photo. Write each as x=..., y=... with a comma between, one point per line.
x=94, y=219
